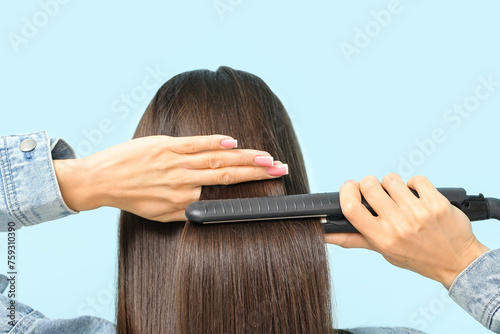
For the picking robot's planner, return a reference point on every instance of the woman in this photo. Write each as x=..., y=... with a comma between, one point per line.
x=265, y=277
x=179, y=277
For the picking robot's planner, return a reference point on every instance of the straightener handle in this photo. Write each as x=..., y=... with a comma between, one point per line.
x=290, y=206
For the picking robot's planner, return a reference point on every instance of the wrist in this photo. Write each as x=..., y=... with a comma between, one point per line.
x=75, y=183
x=473, y=252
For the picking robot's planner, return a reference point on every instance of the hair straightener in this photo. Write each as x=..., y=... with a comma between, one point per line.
x=323, y=205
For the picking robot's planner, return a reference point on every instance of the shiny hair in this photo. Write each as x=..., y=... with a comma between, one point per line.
x=264, y=277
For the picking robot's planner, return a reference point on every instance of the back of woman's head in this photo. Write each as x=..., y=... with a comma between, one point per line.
x=263, y=277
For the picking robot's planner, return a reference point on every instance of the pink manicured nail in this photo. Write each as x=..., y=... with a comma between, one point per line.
x=348, y=181
x=229, y=143
x=278, y=170
x=264, y=160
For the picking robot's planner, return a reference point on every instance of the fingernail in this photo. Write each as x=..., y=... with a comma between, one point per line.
x=348, y=181
x=278, y=170
x=264, y=160
x=229, y=143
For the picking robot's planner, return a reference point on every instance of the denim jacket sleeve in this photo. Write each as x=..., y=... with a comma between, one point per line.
x=17, y=318
x=29, y=191
x=477, y=290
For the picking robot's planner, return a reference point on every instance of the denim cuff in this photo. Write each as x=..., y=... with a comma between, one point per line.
x=477, y=289
x=60, y=149
x=29, y=191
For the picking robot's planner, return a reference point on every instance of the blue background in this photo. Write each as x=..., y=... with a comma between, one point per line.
x=356, y=112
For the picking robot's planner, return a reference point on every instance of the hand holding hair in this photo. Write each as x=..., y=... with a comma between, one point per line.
x=157, y=177
x=427, y=235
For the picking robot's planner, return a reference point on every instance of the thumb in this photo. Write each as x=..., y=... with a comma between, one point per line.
x=348, y=240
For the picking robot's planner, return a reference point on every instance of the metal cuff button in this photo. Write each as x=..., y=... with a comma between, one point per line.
x=27, y=145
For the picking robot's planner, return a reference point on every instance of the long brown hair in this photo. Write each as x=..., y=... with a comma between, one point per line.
x=264, y=277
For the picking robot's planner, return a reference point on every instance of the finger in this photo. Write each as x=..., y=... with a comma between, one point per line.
x=399, y=191
x=355, y=211
x=231, y=175
x=226, y=158
x=348, y=240
x=184, y=145
x=177, y=216
x=375, y=195
x=426, y=191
